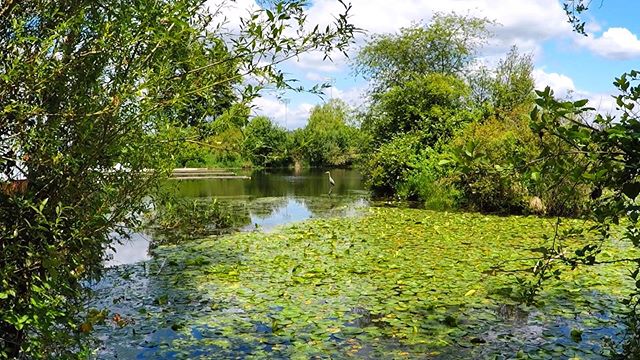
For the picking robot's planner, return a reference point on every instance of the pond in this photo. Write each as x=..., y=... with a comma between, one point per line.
x=354, y=281
x=268, y=199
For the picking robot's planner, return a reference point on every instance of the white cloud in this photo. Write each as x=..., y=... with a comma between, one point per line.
x=291, y=116
x=561, y=84
x=603, y=103
x=527, y=24
x=354, y=96
x=316, y=61
x=315, y=77
x=230, y=12
x=592, y=27
x=524, y=23
x=616, y=43
x=564, y=88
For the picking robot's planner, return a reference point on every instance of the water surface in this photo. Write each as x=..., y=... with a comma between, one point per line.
x=269, y=199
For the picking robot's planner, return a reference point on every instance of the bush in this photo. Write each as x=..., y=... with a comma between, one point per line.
x=389, y=166
x=489, y=160
x=492, y=168
x=430, y=182
x=89, y=92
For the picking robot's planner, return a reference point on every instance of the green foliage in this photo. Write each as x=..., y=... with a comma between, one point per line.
x=512, y=88
x=432, y=104
x=489, y=159
x=493, y=158
x=505, y=90
x=573, y=9
x=224, y=149
x=216, y=142
x=389, y=166
x=446, y=45
x=606, y=157
x=493, y=165
x=424, y=88
x=416, y=78
x=328, y=139
x=475, y=140
x=265, y=143
x=89, y=96
x=431, y=182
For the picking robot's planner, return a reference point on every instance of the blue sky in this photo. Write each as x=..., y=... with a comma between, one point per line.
x=570, y=63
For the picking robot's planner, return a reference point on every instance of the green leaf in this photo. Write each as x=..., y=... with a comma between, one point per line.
x=576, y=335
x=535, y=176
x=580, y=103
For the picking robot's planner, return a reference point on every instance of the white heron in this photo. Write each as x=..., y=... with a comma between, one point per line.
x=331, y=182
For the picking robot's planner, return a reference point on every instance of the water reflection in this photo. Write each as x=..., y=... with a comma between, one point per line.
x=129, y=251
x=269, y=199
x=275, y=183
x=293, y=210
x=299, y=209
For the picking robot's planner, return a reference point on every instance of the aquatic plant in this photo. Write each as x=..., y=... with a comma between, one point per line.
x=394, y=283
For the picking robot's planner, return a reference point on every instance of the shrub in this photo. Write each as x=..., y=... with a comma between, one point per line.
x=391, y=163
x=430, y=182
x=492, y=168
x=489, y=158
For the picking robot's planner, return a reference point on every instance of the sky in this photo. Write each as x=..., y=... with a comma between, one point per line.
x=584, y=67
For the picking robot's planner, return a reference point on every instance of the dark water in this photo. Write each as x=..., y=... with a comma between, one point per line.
x=286, y=183
x=270, y=198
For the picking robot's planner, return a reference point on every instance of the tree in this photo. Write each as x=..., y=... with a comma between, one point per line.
x=447, y=45
x=87, y=93
x=265, y=143
x=514, y=84
x=506, y=88
x=327, y=139
x=418, y=91
x=215, y=142
x=432, y=104
x=418, y=77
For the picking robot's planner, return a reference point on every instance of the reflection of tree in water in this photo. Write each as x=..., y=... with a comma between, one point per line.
x=328, y=206
x=265, y=207
x=277, y=196
x=274, y=183
x=188, y=219
x=318, y=206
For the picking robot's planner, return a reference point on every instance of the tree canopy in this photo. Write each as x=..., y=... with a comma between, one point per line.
x=446, y=45
x=328, y=139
